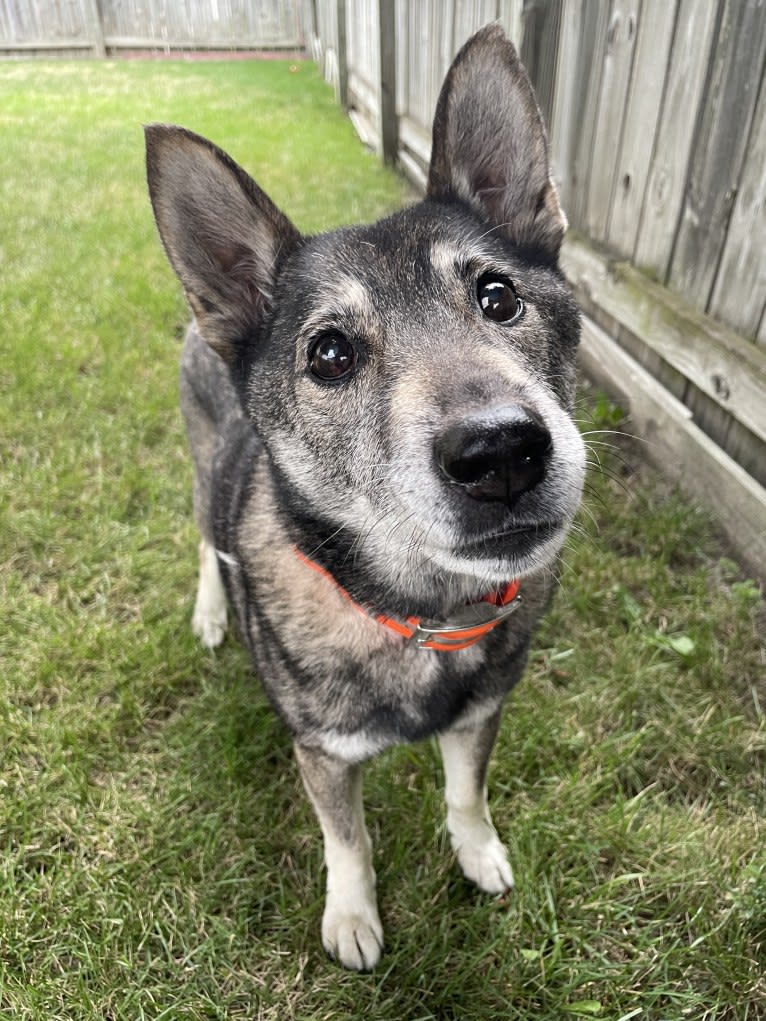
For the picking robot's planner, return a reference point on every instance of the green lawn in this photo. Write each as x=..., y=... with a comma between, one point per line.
x=158, y=858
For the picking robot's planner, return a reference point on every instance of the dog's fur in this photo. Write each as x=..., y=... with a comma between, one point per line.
x=354, y=473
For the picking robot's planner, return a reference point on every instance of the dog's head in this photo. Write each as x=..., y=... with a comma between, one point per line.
x=412, y=380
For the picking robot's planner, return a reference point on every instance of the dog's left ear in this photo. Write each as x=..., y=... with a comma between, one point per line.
x=223, y=235
x=490, y=148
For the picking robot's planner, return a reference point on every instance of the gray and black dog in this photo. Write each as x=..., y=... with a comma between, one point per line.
x=386, y=463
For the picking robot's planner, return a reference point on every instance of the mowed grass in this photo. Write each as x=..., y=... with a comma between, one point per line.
x=158, y=858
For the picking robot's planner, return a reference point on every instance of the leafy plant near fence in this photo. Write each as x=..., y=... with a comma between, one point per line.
x=158, y=858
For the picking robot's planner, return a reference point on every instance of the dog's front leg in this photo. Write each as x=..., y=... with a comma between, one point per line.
x=351, y=929
x=482, y=856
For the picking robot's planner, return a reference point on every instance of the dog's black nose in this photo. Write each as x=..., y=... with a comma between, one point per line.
x=495, y=455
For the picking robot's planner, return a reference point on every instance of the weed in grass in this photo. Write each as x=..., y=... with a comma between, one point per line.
x=157, y=855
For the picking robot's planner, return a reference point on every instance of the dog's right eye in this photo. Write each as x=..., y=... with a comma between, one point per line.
x=332, y=357
x=498, y=299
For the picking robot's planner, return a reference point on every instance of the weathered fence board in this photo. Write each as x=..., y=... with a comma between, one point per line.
x=615, y=79
x=441, y=42
x=363, y=41
x=591, y=63
x=116, y=24
x=469, y=14
x=565, y=78
x=719, y=152
x=665, y=187
x=389, y=121
x=539, y=49
x=211, y=24
x=48, y=24
x=510, y=14
x=740, y=289
x=650, y=69
x=326, y=30
x=402, y=56
x=363, y=63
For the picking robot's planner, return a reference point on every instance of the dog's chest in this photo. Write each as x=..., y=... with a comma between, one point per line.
x=332, y=666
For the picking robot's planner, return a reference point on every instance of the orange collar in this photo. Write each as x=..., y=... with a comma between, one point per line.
x=467, y=628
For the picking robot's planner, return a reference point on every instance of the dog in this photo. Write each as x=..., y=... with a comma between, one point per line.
x=386, y=465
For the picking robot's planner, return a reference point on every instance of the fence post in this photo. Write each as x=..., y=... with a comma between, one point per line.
x=389, y=124
x=342, y=55
x=92, y=14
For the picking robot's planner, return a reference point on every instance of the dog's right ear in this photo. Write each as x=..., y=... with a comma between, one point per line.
x=223, y=236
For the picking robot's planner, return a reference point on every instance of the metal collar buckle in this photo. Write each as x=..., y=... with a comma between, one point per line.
x=466, y=631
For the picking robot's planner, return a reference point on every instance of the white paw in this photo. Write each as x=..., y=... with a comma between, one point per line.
x=483, y=858
x=353, y=938
x=209, y=627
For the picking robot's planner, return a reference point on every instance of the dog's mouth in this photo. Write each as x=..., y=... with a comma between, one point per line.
x=532, y=529
x=489, y=559
x=521, y=545
x=516, y=539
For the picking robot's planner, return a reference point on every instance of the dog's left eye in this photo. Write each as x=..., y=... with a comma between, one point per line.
x=498, y=298
x=332, y=357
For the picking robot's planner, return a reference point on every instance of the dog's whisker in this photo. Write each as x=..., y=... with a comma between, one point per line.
x=324, y=542
x=585, y=509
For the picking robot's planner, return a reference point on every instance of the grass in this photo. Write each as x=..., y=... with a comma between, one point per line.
x=158, y=858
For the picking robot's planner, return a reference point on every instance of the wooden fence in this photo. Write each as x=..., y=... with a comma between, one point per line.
x=657, y=118
x=96, y=27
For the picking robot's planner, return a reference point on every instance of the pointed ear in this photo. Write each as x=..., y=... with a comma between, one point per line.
x=223, y=236
x=490, y=148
